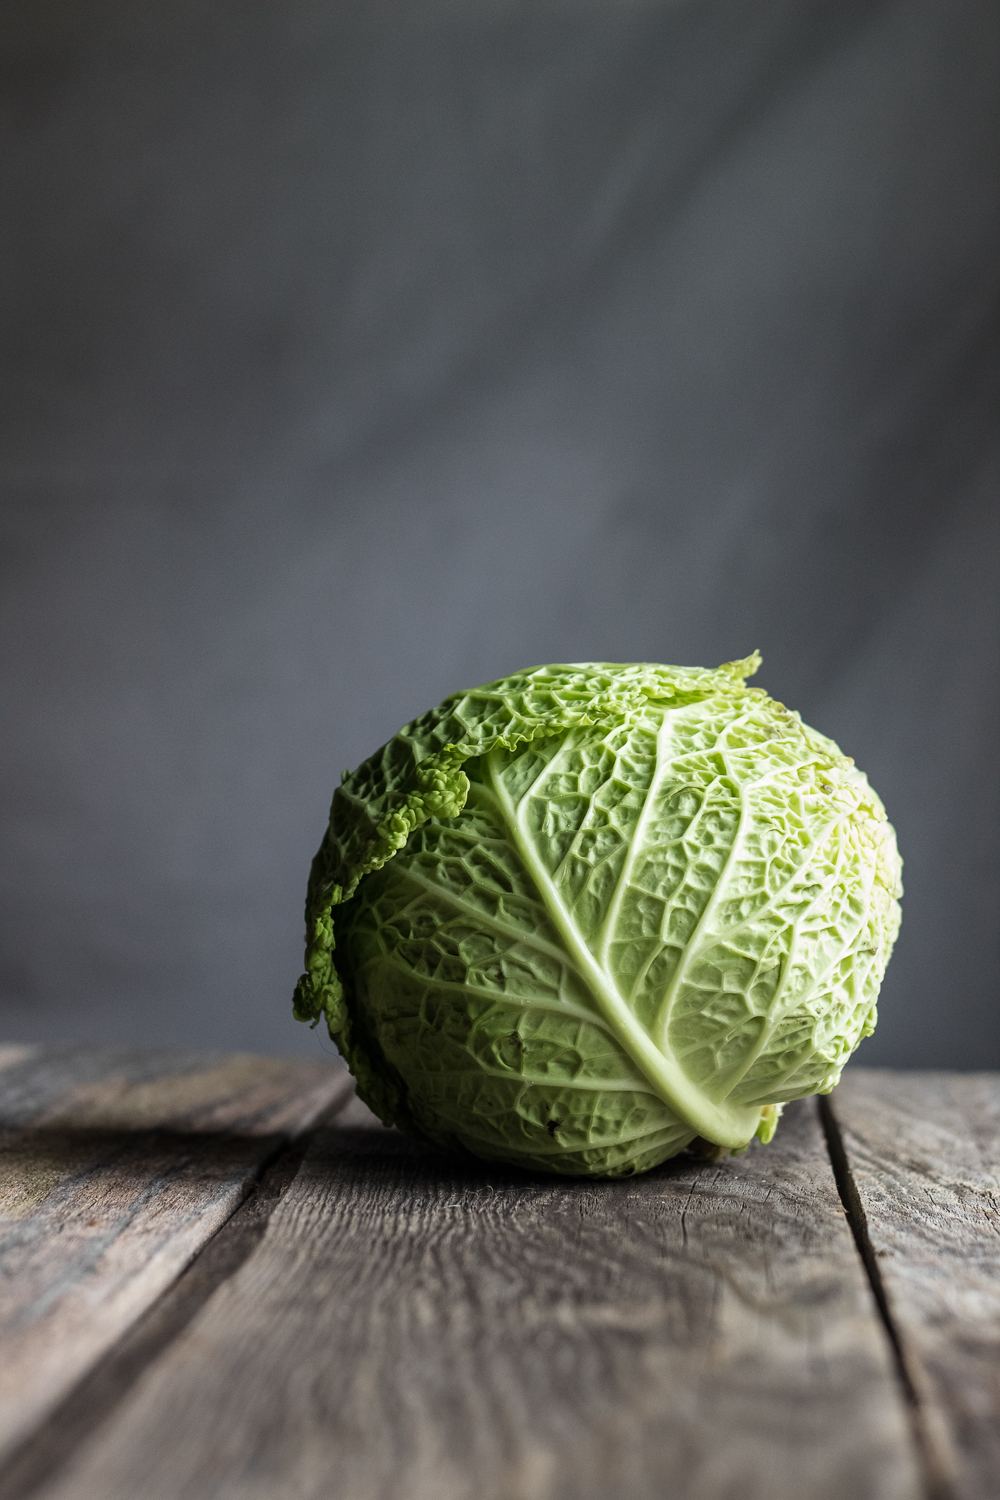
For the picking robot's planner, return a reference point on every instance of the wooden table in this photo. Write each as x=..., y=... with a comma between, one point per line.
x=222, y=1278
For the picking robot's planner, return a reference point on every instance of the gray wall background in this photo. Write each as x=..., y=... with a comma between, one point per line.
x=352, y=353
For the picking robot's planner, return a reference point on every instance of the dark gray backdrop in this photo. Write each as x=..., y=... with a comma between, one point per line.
x=352, y=353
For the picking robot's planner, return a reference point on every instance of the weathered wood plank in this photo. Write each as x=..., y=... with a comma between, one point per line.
x=115, y=1168
x=924, y=1153
x=422, y=1325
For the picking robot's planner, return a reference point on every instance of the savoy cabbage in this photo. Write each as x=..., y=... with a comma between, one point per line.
x=586, y=916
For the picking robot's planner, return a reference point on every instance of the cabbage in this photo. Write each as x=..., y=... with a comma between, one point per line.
x=592, y=915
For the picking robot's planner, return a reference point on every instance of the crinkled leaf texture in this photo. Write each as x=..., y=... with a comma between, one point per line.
x=579, y=917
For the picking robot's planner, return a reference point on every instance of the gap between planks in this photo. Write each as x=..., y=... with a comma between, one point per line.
x=924, y=1154
x=98, y=1394
x=936, y=1457
x=118, y=1166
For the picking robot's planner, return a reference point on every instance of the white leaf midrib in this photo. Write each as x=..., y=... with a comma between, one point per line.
x=729, y=1125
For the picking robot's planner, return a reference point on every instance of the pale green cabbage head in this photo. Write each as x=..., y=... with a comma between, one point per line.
x=586, y=916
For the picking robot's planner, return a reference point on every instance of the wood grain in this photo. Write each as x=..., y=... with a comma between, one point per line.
x=420, y=1325
x=116, y=1166
x=924, y=1153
